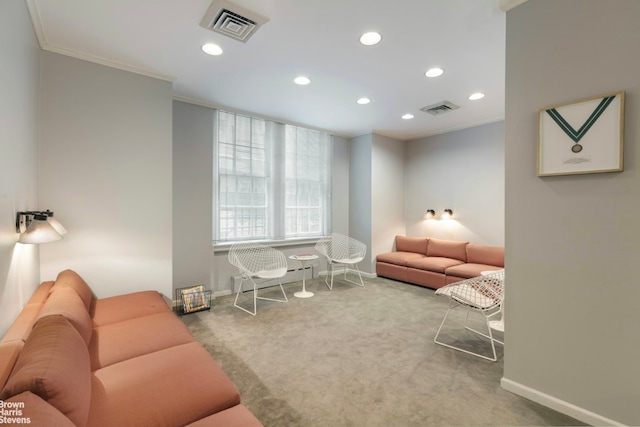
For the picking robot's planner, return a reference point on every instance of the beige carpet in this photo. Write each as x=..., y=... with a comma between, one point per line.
x=359, y=357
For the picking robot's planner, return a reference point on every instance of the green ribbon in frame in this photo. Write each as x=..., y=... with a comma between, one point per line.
x=576, y=135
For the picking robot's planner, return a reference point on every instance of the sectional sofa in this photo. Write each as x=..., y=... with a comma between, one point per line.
x=70, y=359
x=436, y=262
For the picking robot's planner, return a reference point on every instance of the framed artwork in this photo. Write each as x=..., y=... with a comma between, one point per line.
x=194, y=299
x=584, y=136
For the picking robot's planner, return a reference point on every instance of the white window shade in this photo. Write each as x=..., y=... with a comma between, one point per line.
x=271, y=181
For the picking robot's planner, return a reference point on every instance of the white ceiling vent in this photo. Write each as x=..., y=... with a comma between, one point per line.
x=440, y=108
x=232, y=20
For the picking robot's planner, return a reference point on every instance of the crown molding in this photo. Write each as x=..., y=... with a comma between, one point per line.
x=507, y=5
x=38, y=28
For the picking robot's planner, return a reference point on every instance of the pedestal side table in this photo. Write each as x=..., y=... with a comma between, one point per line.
x=303, y=260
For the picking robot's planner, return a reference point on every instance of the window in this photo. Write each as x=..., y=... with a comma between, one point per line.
x=272, y=181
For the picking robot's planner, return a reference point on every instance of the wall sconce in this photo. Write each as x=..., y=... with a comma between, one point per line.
x=447, y=214
x=429, y=214
x=38, y=227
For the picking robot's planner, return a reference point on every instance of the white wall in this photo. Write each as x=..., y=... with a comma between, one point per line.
x=387, y=195
x=463, y=171
x=106, y=171
x=19, y=72
x=572, y=242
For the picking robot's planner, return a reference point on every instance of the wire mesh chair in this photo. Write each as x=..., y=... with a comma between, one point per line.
x=256, y=261
x=484, y=294
x=339, y=249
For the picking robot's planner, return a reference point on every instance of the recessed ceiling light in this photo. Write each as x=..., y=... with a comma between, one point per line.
x=476, y=96
x=364, y=100
x=212, y=49
x=434, y=72
x=371, y=38
x=407, y=116
x=302, y=80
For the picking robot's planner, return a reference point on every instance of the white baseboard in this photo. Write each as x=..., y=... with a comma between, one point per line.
x=350, y=271
x=222, y=293
x=556, y=404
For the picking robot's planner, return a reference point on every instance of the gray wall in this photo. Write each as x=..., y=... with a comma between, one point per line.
x=463, y=171
x=105, y=169
x=360, y=175
x=19, y=72
x=192, y=189
x=387, y=194
x=572, y=242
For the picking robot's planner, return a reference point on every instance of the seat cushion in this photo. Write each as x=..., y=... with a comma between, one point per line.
x=54, y=364
x=128, y=306
x=170, y=387
x=399, y=258
x=124, y=340
x=469, y=270
x=433, y=263
x=412, y=244
x=447, y=249
x=237, y=416
x=21, y=327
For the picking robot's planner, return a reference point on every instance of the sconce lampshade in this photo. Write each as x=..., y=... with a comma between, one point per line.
x=447, y=214
x=429, y=214
x=56, y=224
x=40, y=231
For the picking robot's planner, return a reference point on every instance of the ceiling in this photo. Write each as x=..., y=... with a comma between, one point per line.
x=315, y=38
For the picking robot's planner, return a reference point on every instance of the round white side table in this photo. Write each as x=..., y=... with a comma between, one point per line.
x=303, y=260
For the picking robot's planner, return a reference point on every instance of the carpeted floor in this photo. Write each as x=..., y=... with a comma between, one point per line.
x=359, y=357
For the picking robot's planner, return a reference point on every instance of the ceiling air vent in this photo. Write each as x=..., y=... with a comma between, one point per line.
x=440, y=108
x=232, y=20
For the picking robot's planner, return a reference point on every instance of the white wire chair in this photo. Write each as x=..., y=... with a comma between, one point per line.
x=256, y=261
x=483, y=294
x=339, y=249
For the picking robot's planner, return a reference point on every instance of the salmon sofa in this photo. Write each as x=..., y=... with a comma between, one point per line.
x=434, y=263
x=70, y=359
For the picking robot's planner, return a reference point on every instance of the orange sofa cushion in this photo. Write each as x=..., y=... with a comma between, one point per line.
x=71, y=279
x=237, y=416
x=54, y=364
x=412, y=244
x=9, y=352
x=488, y=255
x=129, y=306
x=21, y=327
x=171, y=387
x=447, y=249
x=66, y=302
x=41, y=293
x=433, y=263
x=39, y=412
x=398, y=258
x=120, y=341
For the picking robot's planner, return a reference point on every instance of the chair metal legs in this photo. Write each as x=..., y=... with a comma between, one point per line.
x=256, y=297
x=330, y=285
x=488, y=314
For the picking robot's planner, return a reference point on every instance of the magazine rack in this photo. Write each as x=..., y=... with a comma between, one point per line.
x=192, y=299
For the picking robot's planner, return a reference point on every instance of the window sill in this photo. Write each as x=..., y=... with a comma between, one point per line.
x=302, y=241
